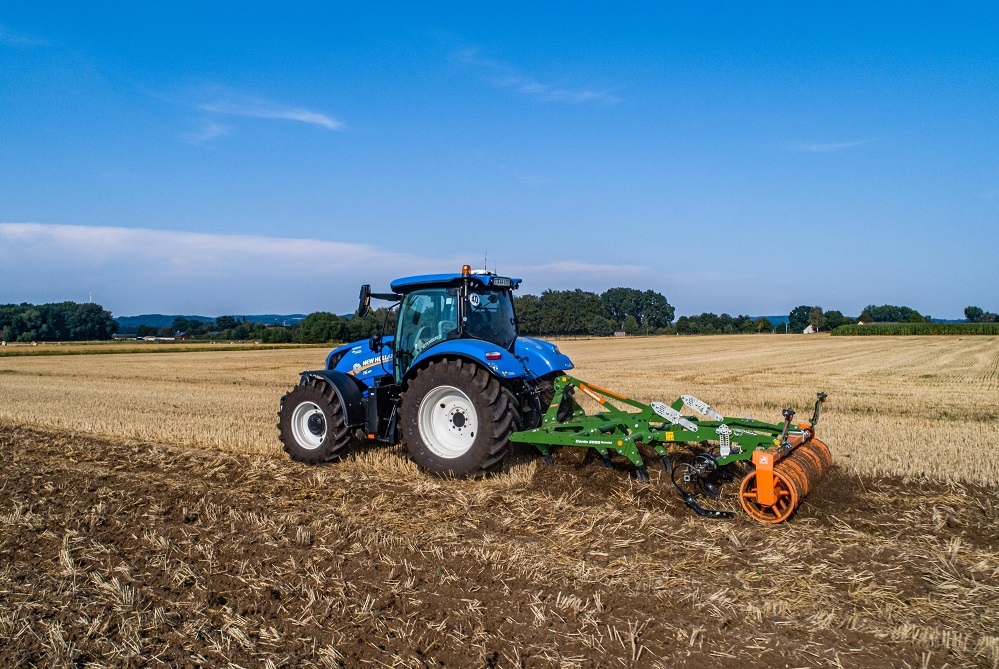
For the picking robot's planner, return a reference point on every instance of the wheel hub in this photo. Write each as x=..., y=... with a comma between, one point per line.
x=308, y=425
x=316, y=424
x=448, y=422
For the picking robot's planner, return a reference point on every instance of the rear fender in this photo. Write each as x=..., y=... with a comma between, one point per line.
x=346, y=389
x=506, y=366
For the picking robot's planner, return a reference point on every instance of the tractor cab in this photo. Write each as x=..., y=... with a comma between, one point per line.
x=441, y=307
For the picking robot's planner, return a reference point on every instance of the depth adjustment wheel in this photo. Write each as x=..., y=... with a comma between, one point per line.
x=456, y=418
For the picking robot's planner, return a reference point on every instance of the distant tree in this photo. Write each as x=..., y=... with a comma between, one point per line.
x=656, y=312
x=762, y=324
x=569, y=312
x=621, y=303
x=889, y=313
x=974, y=314
x=836, y=318
x=165, y=331
x=601, y=327
x=651, y=309
x=371, y=324
x=145, y=331
x=631, y=325
x=223, y=323
x=321, y=327
x=528, y=310
x=276, y=335
x=815, y=318
x=798, y=318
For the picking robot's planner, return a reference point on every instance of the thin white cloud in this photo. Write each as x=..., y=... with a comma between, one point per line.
x=136, y=270
x=528, y=179
x=141, y=270
x=549, y=93
x=207, y=133
x=815, y=147
x=505, y=76
x=11, y=38
x=266, y=109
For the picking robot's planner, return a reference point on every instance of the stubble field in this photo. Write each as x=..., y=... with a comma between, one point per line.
x=148, y=516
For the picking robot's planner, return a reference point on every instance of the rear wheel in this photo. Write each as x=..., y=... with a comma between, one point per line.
x=546, y=395
x=457, y=418
x=313, y=424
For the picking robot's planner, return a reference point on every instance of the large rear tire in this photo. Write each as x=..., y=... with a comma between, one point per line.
x=546, y=385
x=313, y=423
x=457, y=419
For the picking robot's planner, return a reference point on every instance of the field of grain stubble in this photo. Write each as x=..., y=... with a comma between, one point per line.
x=147, y=517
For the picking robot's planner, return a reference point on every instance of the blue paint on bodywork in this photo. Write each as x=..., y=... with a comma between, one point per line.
x=541, y=357
x=360, y=361
x=410, y=283
x=534, y=357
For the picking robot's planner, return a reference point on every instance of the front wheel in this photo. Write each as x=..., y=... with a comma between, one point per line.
x=313, y=423
x=457, y=419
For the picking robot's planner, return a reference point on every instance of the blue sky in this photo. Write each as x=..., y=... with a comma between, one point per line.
x=253, y=158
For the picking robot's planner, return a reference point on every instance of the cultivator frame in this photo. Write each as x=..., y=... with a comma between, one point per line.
x=786, y=459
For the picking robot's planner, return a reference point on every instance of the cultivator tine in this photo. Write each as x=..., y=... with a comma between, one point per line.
x=607, y=461
x=643, y=474
x=701, y=407
x=818, y=407
x=673, y=416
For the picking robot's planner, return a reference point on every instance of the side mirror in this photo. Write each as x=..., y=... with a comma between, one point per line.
x=364, y=301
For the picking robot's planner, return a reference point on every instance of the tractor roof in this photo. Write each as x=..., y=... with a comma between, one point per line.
x=410, y=283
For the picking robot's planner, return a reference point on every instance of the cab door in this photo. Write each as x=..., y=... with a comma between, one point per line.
x=426, y=317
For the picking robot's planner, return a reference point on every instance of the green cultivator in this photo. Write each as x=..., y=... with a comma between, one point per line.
x=787, y=460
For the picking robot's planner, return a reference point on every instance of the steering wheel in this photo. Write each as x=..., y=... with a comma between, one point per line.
x=422, y=338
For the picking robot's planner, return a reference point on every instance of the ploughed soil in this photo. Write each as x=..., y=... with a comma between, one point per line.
x=116, y=553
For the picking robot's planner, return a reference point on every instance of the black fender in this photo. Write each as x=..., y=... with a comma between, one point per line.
x=346, y=389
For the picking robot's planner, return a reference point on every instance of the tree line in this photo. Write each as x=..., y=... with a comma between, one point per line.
x=553, y=313
x=318, y=327
x=59, y=321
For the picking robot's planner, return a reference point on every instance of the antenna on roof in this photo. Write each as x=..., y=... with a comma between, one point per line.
x=485, y=261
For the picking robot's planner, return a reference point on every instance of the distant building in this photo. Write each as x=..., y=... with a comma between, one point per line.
x=809, y=330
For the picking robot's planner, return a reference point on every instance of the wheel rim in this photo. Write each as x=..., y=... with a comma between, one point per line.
x=308, y=424
x=448, y=422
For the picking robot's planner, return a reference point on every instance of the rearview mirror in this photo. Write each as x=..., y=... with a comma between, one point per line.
x=364, y=301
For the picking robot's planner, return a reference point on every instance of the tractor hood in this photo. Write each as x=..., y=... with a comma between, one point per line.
x=541, y=357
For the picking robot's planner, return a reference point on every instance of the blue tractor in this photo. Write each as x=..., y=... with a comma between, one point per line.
x=453, y=383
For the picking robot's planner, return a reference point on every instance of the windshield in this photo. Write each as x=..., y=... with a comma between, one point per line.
x=489, y=316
